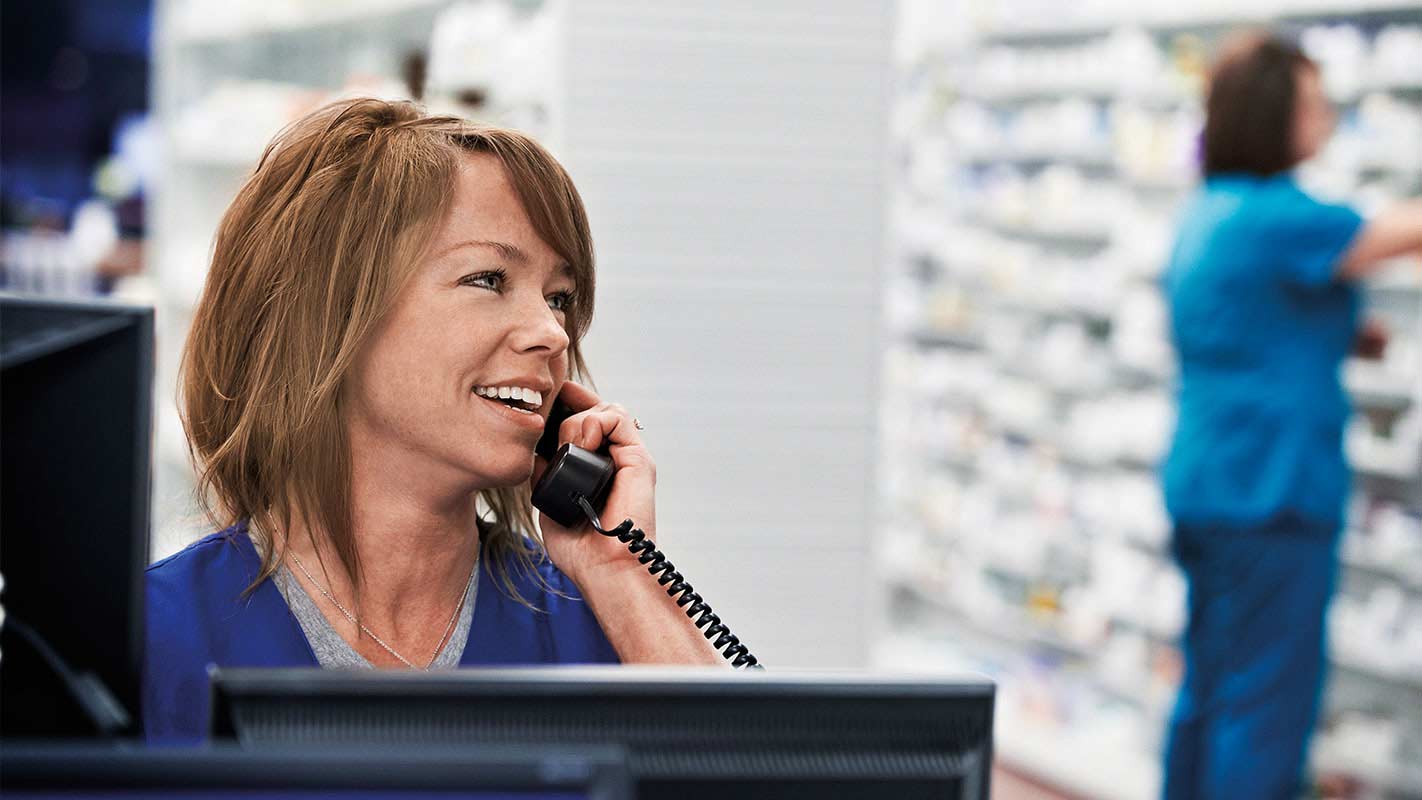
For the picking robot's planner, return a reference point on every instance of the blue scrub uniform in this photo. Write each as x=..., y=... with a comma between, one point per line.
x=198, y=616
x=1256, y=482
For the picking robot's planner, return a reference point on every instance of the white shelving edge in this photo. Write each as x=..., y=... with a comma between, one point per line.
x=276, y=20
x=1078, y=764
x=1156, y=18
x=1379, y=774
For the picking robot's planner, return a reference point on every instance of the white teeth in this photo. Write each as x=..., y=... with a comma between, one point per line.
x=529, y=396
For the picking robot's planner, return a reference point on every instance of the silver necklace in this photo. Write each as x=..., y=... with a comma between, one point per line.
x=368, y=632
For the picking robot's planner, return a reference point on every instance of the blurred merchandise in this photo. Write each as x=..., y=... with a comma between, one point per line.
x=79, y=152
x=1043, y=157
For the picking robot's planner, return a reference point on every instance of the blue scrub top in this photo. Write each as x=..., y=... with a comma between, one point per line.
x=1261, y=325
x=198, y=616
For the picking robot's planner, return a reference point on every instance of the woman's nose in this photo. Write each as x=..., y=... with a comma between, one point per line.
x=541, y=329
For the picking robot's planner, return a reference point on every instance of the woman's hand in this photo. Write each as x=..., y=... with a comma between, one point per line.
x=643, y=623
x=580, y=552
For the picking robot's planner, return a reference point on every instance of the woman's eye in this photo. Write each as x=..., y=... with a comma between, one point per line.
x=485, y=280
x=560, y=301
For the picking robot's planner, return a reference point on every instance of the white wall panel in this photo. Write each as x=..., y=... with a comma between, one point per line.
x=732, y=158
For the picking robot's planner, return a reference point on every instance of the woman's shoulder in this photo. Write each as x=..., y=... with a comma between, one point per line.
x=226, y=553
x=203, y=605
x=544, y=603
x=523, y=573
x=1273, y=198
x=199, y=614
x=529, y=572
x=204, y=584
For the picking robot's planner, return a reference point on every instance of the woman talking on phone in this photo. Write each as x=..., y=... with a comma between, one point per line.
x=1264, y=310
x=394, y=303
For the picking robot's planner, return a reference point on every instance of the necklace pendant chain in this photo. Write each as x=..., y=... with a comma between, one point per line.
x=368, y=632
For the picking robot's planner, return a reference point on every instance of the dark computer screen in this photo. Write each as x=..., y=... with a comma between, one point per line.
x=75, y=421
x=315, y=773
x=689, y=733
x=295, y=794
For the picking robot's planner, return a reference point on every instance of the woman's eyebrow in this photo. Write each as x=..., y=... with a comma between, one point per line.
x=510, y=252
x=504, y=249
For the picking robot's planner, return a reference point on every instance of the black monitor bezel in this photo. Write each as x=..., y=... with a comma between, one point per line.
x=598, y=772
x=121, y=674
x=597, y=680
x=582, y=690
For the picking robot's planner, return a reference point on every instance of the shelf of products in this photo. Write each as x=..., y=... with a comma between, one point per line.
x=1029, y=399
x=1101, y=18
x=213, y=22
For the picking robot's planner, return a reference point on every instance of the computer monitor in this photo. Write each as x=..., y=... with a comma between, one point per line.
x=485, y=773
x=689, y=733
x=75, y=419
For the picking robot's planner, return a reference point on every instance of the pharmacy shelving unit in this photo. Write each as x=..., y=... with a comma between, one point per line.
x=1028, y=394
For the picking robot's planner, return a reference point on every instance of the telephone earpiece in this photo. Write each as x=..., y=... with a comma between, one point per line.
x=572, y=473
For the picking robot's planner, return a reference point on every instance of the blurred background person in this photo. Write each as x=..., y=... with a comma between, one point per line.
x=1264, y=310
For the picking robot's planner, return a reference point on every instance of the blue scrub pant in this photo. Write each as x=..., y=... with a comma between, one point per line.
x=1255, y=658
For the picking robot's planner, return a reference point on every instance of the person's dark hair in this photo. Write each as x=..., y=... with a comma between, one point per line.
x=1249, y=108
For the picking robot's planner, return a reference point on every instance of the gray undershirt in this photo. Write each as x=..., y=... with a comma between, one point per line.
x=332, y=651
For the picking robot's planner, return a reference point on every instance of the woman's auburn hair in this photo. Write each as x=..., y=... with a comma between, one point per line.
x=1249, y=105
x=310, y=256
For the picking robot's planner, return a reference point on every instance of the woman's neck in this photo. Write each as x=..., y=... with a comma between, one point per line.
x=417, y=543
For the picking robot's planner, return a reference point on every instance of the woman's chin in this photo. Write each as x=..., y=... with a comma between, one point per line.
x=509, y=474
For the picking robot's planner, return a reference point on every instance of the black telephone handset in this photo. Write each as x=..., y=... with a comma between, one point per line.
x=575, y=486
x=572, y=473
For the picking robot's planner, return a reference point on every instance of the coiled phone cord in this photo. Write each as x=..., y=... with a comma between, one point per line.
x=697, y=609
